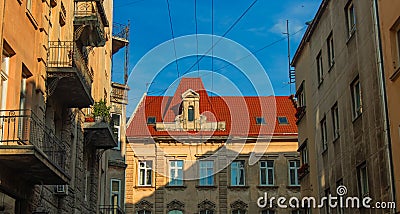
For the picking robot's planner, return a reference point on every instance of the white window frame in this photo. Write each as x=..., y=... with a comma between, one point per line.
x=205, y=166
x=115, y=192
x=240, y=169
x=296, y=175
x=320, y=68
x=351, y=18
x=324, y=134
x=267, y=170
x=331, y=50
x=146, y=169
x=118, y=127
x=335, y=121
x=174, y=169
x=356, y=95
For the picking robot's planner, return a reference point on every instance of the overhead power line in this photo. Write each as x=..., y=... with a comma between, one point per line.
x=173, y=38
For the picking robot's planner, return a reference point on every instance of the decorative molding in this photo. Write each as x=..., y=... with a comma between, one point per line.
x=206, y=205
x=239, y=204
x=144, y=205
x=175, y=205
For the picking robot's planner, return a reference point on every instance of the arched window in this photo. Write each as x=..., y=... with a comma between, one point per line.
x=175, y=212
x=191, y=113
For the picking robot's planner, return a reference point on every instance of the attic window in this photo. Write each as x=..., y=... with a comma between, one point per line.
x=151, y=120
x=260, y=121
x=191, y=113
x=283, y=120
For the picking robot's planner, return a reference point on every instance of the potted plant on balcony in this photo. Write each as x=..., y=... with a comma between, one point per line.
x=101, y=112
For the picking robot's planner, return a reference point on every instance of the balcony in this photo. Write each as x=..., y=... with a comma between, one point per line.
x=99, y=133
x=119, y=93
x=68, y=75
x=89, y=21
x=29, y=149
x=120, y=37
x=110, y=209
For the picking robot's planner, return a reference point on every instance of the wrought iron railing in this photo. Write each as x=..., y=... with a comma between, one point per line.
x=23, y=127
x=119, y=93
x=64, y=54
x=88, y=9
x=110, y=209
x=121, y=30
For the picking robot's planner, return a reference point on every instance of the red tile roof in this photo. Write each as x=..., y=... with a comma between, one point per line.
x=239, y=113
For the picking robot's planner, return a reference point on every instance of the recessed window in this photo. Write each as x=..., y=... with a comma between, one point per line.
x=145, y=173
x=267, y=173
x=239, y=211
x=207, y=212
x=351, y=18
x=304, y=153
x=143, y=212
x=116, y=122
x=331, y=52
x=293, y=175
x=324, y=134
x=268, y=212
x=283, y=120
x=206, y=173
x=301, y=96
x=356, y=97
x=176, y=173
x=115, y=192
x=363, y=180
x=191, y=113
x=237, y=173
x=335, y=121
x=320, y=70
x=151, y=120
x=260, y=121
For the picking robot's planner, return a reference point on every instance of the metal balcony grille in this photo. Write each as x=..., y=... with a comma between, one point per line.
x=23, y=127
x=110, y=209
x=65, y=54
x=121, y=31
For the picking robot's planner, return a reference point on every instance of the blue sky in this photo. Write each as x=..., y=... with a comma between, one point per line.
x=262, y=26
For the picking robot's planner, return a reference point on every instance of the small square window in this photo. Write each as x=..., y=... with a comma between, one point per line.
x=151, y=120
x=283, y=120
x=260, y=120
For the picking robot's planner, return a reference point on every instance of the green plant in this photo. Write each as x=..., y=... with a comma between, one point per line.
x=100, y=109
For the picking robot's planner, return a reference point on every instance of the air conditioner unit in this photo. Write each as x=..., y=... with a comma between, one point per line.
x=61, y=189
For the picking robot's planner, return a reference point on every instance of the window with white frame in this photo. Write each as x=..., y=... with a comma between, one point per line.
x=5, y=68
x=206, y=173
x=335, y=121
x=304, y=152
x=350, y=18
x=363, y=180
x=116, y=122
x=331, y=51
x=176, y=173
x=356, y=97
x=320, y=69
x=301, y=96
x=237, y=173
x=115, y=193
x=145, y=172
x=293, y=176
x=324, y=134
x=267, y=173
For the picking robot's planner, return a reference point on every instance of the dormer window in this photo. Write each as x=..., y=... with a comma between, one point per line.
x=260, y=121
x=191, y=114
x=283, y=120
x=151, y=120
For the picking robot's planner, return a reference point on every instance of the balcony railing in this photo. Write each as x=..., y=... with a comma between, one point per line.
x=23, y=127
x=110, y=209
x=119, y=94
x=121, y=31
x=91, y=10
x=65, y=54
